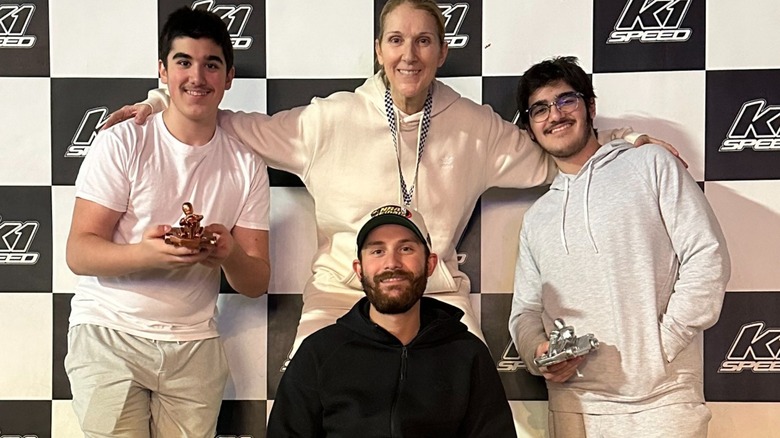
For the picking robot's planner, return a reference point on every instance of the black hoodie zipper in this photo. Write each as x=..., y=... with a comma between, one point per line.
x=401, y=379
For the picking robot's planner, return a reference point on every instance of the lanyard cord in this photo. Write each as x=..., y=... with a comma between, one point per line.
x=425, y=123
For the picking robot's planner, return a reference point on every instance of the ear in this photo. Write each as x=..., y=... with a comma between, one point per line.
x=530, y=132
x=163, y=71
x=357, y=268
x=592, y=108
x=378, y=51
x=445, y=49
x=432, y=261
x=229, y=78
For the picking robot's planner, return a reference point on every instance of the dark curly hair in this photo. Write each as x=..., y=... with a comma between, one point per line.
x=562, y=68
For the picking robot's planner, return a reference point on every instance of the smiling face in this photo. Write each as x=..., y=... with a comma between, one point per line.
x=409, y=51
x=564, y=136
x=197, y=77
x=394, y=268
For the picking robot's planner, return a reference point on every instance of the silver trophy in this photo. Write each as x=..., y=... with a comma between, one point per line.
x=564, y=345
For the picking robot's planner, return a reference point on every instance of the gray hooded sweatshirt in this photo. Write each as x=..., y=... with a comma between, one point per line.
x=629, y=250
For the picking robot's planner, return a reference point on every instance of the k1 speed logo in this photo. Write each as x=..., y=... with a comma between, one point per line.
x=15, y=240
x=757, y=127
x=235, y=18
x=651, y=21
x=88, y=129
x=510, y=360
x=17, y=436
x=755, y=349
x=14, y=21
x=454, y=16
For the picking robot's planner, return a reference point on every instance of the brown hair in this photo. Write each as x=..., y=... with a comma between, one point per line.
x=428, y=6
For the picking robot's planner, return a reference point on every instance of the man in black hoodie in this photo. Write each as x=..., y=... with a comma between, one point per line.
x=398, y=364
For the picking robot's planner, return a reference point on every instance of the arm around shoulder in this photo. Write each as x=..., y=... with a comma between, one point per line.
x=155, y=102
x=514, y=160
x=158, y=99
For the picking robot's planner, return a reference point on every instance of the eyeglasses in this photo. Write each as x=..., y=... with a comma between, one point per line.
x=566, y=103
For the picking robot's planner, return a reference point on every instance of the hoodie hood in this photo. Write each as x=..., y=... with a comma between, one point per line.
x=562, y=182
x=604, y=155
x=439, y=321
x=374, y=90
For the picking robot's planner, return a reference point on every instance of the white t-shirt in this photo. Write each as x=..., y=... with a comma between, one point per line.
x=147, y=174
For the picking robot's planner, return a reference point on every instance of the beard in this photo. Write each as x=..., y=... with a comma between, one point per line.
x=411, y=291
x=576, y=145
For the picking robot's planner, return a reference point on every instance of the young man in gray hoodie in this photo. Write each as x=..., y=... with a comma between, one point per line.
x=623, y=246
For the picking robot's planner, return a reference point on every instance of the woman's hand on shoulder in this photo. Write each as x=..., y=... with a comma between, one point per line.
x=646, y=139
x=139, y=112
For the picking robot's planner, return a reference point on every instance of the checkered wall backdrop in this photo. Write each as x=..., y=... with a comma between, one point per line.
x=701, y=75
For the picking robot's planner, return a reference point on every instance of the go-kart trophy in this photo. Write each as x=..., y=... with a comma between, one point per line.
x=564, y=345
x=190, y=234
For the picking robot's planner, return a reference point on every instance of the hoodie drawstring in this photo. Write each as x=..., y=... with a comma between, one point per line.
x=606, y=154
x=563, y=215
x=585, y=207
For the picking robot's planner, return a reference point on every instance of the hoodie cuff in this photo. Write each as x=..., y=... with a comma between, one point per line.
x=531, y=354
x=157, y=99
x=671, y=343
x=631, y=137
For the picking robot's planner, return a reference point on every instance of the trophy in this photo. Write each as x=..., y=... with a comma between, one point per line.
x=190, y=234
x=564, y=345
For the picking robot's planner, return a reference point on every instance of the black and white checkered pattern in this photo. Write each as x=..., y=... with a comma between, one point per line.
x=701, y=75
x=425, y=122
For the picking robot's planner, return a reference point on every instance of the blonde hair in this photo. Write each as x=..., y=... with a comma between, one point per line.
x=428, y=6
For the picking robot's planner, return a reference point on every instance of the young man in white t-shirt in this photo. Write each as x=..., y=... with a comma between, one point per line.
x=144, y=357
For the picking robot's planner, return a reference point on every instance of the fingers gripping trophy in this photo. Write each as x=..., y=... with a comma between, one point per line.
x=565, y=345
x=190, y=233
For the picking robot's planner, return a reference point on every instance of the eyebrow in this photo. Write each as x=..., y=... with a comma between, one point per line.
x=398, y=32
x=544, y=102
x=383, y=243
x=182, y=55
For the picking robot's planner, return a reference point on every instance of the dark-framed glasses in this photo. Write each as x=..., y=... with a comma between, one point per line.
x=566, y=103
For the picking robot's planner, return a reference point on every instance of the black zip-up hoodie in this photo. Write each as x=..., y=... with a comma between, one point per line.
x=354, y=379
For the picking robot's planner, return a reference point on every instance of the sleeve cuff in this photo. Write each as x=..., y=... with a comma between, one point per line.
x=157, y=99
x=671, y=343
x=631, y=137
